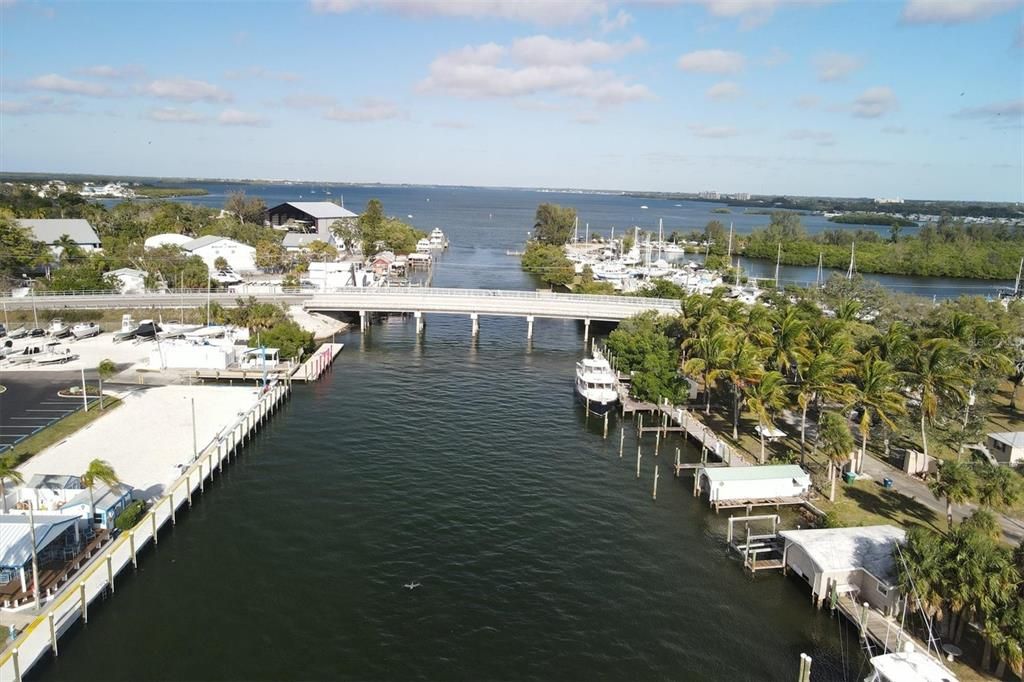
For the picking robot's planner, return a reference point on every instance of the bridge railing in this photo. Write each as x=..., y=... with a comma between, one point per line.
x=287, y=291
x=509, y=294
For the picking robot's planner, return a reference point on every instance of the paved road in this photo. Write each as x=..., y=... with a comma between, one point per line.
x=917, y=490
x=30, y=404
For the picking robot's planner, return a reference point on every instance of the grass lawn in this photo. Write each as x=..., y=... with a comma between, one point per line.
x=867, y=503
x=58, y=431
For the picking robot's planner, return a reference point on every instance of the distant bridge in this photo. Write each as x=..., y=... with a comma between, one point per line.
x=415, y=300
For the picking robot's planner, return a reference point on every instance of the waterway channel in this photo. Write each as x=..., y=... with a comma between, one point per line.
x=467, y=467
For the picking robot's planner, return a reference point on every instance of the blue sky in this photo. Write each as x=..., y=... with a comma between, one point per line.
x=915, y=98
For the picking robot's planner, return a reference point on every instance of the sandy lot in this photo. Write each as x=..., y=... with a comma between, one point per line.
x=148, y=437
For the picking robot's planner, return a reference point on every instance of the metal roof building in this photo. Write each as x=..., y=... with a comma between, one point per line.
x=308, y=216
x=50, y=230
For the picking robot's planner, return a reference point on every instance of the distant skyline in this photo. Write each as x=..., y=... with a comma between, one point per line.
x=916, y=98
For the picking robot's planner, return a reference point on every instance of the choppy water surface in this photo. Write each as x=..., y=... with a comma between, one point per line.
x=468, y=467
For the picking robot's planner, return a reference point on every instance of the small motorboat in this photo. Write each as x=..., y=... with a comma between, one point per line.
x=86, y=330
x=58, y=329
x=36, y=332
x=54, y=354
x=3, y=331
x=19, y=333
x=128, y=329
x=147, y=331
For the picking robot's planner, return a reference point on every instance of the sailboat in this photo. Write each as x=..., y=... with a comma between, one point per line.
x=850, y=271
x=1017, y=292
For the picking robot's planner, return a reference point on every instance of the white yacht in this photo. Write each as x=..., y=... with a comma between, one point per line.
x=423, y=246
x=437, y=239
x=58, y=329
x=84, y=330
x=595, y=384
x=908, y=665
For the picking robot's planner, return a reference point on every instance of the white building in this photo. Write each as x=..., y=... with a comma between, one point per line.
x=328, y=276
x=240, y=257
x=50, y=230
x=129, y=280
x=1007, y=447
x=167, y=239
x=725, y=484
x=295, y=242
x=895, y=200
x=857, y=561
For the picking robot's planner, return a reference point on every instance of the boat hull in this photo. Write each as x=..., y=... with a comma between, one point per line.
x=595, y=406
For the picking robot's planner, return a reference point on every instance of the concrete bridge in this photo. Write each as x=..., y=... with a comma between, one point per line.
x=415, y=300
x=476, y=302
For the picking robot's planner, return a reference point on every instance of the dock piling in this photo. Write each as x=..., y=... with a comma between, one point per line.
x=638, y=455
x=605, y=436
x=85, y=602
x=475, y=318
x=622, y=439
x=657, y=442
x=529, y=327
x=654, y=493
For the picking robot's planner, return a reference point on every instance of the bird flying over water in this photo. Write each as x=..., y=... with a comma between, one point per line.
x=411, y=586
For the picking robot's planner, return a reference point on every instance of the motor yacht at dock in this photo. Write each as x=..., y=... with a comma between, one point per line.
x=595, y=384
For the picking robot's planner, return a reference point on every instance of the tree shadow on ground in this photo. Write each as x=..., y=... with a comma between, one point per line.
x=892, y=505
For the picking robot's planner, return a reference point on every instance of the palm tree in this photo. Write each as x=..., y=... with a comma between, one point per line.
x=998, y=486
x=99, y=471
x=934, y=372
x=708, y=355
x=69, y=248
x=954, y=481
x=922, y=569
x=8, y=462
x=820, y=379
x=894, y=344
x=837, y=443
x=876, y=395
x=787, y=344
x=105, y=370
x=765, y=398
x=983, y=349
x=742, y=366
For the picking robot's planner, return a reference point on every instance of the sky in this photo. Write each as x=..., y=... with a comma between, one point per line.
x=902, y=98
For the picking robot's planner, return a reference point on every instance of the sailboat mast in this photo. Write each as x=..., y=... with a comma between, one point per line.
x=576, y=230
x=853, y=267
x=738, y=271
x=661, y=239
x=728, y=255
x=817, y=277
x=778, y=262
x=588, y=231
x=1020, y=271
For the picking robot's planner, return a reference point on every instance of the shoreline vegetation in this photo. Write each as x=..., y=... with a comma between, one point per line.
x=871, y=219
x=151, y=192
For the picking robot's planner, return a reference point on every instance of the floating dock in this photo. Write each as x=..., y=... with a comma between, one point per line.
x=310, y=370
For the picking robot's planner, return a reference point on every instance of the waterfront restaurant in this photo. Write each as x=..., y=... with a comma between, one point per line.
x=57, y=538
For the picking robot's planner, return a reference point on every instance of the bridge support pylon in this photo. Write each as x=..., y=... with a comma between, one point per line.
x=586, y=330
x=364, y=321
x=419, y=321
x=476, y=323
x=529, y=327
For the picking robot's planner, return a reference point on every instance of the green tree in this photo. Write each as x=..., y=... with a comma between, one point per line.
x=289, y=338
x=269, y=255
x=220, y=263
x=69, y=249
x=765, y=398
x=18, y=250
x=8, y=470
x=99, y=471
x=322, y=251
x=247, y=209
x=998, y=487
x=955, y=483
x=787, y=346
x=837, y=444
x=935, y=373
x=550, y=263
x=709, y=355
x=370, y=227
x=105, y=370
x=742, y=367
x=876, y=395
x=553, y=224
x=820, y=379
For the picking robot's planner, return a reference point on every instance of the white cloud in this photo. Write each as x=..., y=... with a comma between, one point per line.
x=712, y=61
x=174, y=115
x=875, y=102
x=453, y=125
x=550, y=13
x=39, y=104
x=724, y=90
x=954, y=11
x=997, y=112
x=369, y=110
x=234, y=117
x=186, y=90
x=112, y=72
x=807, y=102
x=822, y=138
x=836, y=66
x=620, y=21
x=51, y=82
x=259, y=72
x=542, y=49
x=557, y=67
x=304, y=100
x=751, y=13
x=714, y=132
x=775, y=57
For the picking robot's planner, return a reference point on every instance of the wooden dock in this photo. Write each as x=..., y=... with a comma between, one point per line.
x=874, y=626
x=310, y=370
x=318, y=363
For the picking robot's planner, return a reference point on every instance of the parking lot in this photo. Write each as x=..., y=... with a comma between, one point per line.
x=30, y=403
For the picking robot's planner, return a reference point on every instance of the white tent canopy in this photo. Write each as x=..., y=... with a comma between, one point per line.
x=16, y=537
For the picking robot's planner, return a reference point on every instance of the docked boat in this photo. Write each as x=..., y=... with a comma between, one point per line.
x=86, y=330
x=58, y=329
x=147, y=331
x=908, y=665
x=26, y=355
x=36, y=332
x=19, y=333
x=437, y=239
x=595, y=384
x=54, y=354
x=423, y=246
